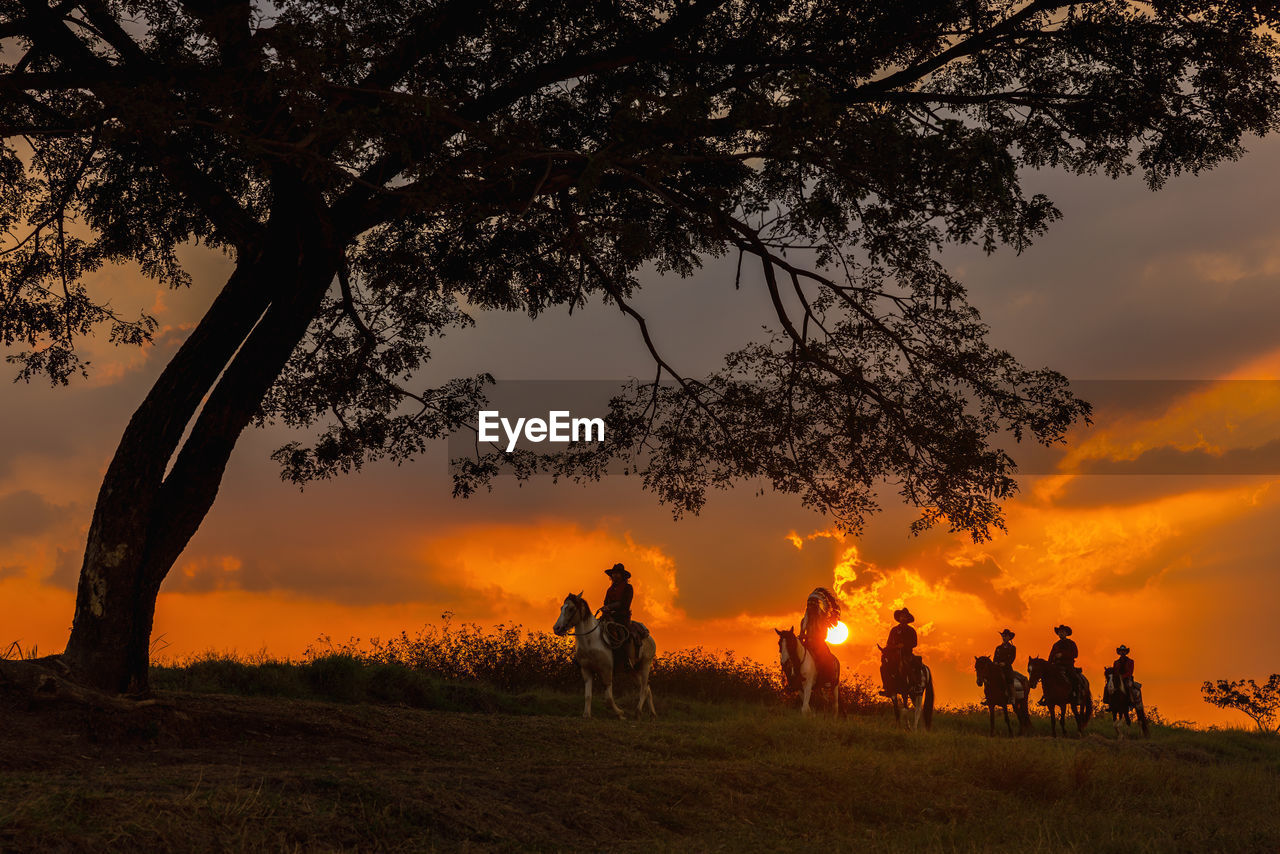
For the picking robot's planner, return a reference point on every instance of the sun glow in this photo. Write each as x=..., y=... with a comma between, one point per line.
x=839, y=633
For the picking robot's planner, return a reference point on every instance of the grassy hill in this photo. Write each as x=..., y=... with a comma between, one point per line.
x=221, y=772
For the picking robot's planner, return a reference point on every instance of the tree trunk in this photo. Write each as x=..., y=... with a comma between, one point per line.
x=143, y=519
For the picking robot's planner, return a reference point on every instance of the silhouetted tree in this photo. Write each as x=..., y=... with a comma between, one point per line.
x=374, y=167
x=1260, y=702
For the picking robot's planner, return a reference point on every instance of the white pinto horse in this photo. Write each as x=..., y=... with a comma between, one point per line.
x=800, y=670
x=596, y=657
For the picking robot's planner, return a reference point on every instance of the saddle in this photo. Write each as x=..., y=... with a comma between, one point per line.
x=625, y=641
x=616, y=634
x=1016, y=689
x=906, y=673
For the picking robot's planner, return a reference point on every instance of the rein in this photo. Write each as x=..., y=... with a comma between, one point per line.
x=577, y=634
x=582, y=634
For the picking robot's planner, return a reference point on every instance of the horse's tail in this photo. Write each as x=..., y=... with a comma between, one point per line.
x=1088, y=708
x=928, y=699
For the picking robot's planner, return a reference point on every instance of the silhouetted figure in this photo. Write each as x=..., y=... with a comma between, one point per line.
x=821, y=613
x=1004, y=657
x=1063, y=654
x=899, y=666
x=1124, y=669
x=617, y=608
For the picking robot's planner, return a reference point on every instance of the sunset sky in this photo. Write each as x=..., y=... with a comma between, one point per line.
x=1181, y=566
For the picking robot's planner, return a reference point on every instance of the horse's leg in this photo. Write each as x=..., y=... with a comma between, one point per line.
x=804, y=699
x=918, y=708
x=586, y=681
x=646, y=695
x=609, y=701
x=1008, y=726
x=640, y=700
x=992, y=710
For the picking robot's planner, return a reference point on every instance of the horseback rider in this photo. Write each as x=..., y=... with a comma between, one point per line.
x=1124, y=670
x=1063, y=654
x=813, y=630
x=617, y=607
x=1004, y=657
x=900, y=649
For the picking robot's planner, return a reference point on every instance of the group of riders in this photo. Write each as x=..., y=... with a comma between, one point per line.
x=1062, y=655
x=900, y=664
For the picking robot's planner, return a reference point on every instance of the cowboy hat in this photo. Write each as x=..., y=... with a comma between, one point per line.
x=1006, y=634
x=902, y=615
x=617, y=567
x=1122, y=649
x=1062, y=628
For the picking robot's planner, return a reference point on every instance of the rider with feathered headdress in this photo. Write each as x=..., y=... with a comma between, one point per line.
x=821, y=613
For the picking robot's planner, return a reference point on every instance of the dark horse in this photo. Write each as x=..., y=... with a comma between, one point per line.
x=991, y=680
x=1120, y=704
x=916, y=692
x=1057, y=693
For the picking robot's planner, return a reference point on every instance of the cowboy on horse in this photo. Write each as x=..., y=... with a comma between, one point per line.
x=1004, y=657
x=1063, y=655
x=1124, y=669
x=901, y=664
x=617, y=608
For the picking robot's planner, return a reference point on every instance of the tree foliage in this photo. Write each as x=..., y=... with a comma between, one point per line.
x=1260, y=702
x=449, y=156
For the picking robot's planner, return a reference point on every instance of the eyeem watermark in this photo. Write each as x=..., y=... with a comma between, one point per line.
x=558, y=427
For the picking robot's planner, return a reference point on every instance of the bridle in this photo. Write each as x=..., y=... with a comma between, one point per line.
x=578, y=606
x=795, y=663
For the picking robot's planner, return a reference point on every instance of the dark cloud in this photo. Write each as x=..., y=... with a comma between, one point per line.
x=982, y=578
x=24, y=514
x=1260, y=460
x=1125, y=490
x=66, y=568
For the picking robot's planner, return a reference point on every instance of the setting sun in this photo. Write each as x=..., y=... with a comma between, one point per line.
x=838, y=633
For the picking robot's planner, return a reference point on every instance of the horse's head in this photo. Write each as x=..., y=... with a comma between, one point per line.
x=786, y=641
x=980, y=665
x=1035, y=670
x=1115, y=685
x=788, y=654
x=574, y=610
